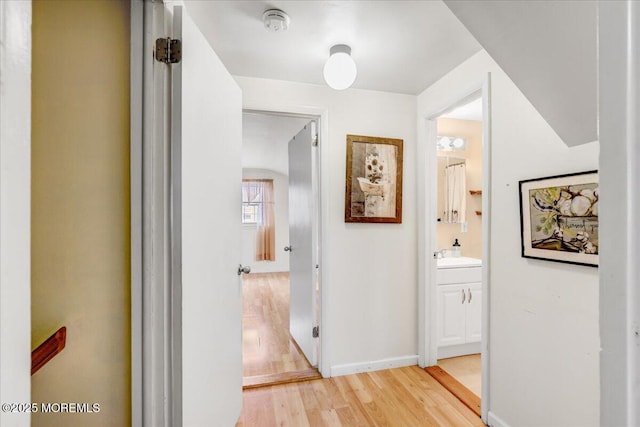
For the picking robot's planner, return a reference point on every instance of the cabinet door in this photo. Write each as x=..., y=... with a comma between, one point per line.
x=451, y=316
x=474, y=312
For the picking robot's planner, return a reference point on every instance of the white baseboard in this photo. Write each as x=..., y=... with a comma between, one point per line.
x=376, y=365
x=494, y=421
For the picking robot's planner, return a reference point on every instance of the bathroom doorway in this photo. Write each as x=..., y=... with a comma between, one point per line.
x=456, y=235
x=278, y=293
x=459, y=242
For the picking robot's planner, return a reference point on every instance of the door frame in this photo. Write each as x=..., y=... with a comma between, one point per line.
x=316, y=215
x=321, y=116
x=15, y=208
x=427, y=243
x=135, y=170
x=619, y=106
x=152, y=391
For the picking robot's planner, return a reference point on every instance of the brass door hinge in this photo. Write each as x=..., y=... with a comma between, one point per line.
x=168, y=50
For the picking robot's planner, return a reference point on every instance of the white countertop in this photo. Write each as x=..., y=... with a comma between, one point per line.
x=459, y=262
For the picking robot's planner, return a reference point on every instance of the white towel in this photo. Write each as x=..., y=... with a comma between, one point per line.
x=455, y=196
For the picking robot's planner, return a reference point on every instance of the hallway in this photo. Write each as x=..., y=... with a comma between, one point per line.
x=394, y=397
x=269, y=353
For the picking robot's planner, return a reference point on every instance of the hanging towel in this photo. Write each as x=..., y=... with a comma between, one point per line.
x=456, y=198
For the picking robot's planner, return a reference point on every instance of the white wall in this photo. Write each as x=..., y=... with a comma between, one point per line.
x=15, y=193
x=369, y=270
x=265, y=140
x=543, y=336
x=281, y=211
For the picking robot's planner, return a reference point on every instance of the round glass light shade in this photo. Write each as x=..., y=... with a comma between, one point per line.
x=340, y=70
x=458, y=143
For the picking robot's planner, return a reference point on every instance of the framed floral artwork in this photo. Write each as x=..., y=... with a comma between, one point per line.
x=559, y=218
x=374, y=180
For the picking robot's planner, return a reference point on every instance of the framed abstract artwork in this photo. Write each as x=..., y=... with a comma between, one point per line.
x=374, y=180
x=559, y=218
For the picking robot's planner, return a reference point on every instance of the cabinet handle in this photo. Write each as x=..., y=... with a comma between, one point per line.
x=470, y=295
x=463, y=296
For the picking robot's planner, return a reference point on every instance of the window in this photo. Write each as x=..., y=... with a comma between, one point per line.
x=252, y=201
x=257, y=208
x=251, y=212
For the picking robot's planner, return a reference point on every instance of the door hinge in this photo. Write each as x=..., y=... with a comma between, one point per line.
x=168, y=50
x=316, y=331
x=314, y=140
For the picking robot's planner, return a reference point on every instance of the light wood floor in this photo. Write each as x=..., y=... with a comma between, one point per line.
x=267, y=348
x=396, y=397
x=465, y=369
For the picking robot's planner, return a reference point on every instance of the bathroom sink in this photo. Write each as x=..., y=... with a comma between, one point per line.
x=459, y=262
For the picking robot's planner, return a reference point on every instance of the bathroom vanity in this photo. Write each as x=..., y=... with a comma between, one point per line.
x=459, y=302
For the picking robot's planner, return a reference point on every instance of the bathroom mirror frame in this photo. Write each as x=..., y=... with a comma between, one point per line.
x=383, y=203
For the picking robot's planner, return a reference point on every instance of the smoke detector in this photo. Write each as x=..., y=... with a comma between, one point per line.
x=275, y=20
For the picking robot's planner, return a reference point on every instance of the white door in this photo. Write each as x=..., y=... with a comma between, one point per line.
x=474, y=312
x=206, y=176
x=451, y=305
x=303, y=241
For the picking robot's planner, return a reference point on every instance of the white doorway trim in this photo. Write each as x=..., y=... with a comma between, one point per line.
x=151, y=391
x=321, y=115
x=427, y=212
x=619, y=132
x=15, y=208
x=135, y=159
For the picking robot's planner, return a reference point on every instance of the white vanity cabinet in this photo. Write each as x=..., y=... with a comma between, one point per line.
x=459, y=300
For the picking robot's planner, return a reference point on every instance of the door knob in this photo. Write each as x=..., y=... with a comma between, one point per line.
x=287, y=248
x=246, y=269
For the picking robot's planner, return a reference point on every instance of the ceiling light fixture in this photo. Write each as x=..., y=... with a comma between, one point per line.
x=275, y=20
x=340, y=70
x=449, y=143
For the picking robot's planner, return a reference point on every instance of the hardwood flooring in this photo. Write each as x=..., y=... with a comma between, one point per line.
x=269, y=355
x=465, y=369
x=279, y=378
x=396, y=397
x=456, y=388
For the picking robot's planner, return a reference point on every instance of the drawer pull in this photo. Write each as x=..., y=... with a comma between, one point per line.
x=463, y=296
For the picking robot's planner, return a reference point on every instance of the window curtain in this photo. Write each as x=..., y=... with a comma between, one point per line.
x=262, y=191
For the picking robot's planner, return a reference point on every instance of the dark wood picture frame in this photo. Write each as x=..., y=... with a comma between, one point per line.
x=559, y=218
x=373, y=187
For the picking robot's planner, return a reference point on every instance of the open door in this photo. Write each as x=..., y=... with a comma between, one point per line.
x=303, y=241
x=206, y=174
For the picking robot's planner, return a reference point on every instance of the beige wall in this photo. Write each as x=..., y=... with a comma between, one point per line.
x=471, y=241
x=80, y=207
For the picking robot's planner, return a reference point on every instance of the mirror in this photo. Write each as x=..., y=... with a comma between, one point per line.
x=452, y=197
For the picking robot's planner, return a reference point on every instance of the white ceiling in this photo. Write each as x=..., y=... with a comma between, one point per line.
x=265, y=140
x=398, y=46
x=470, y=111
x=549, y=50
